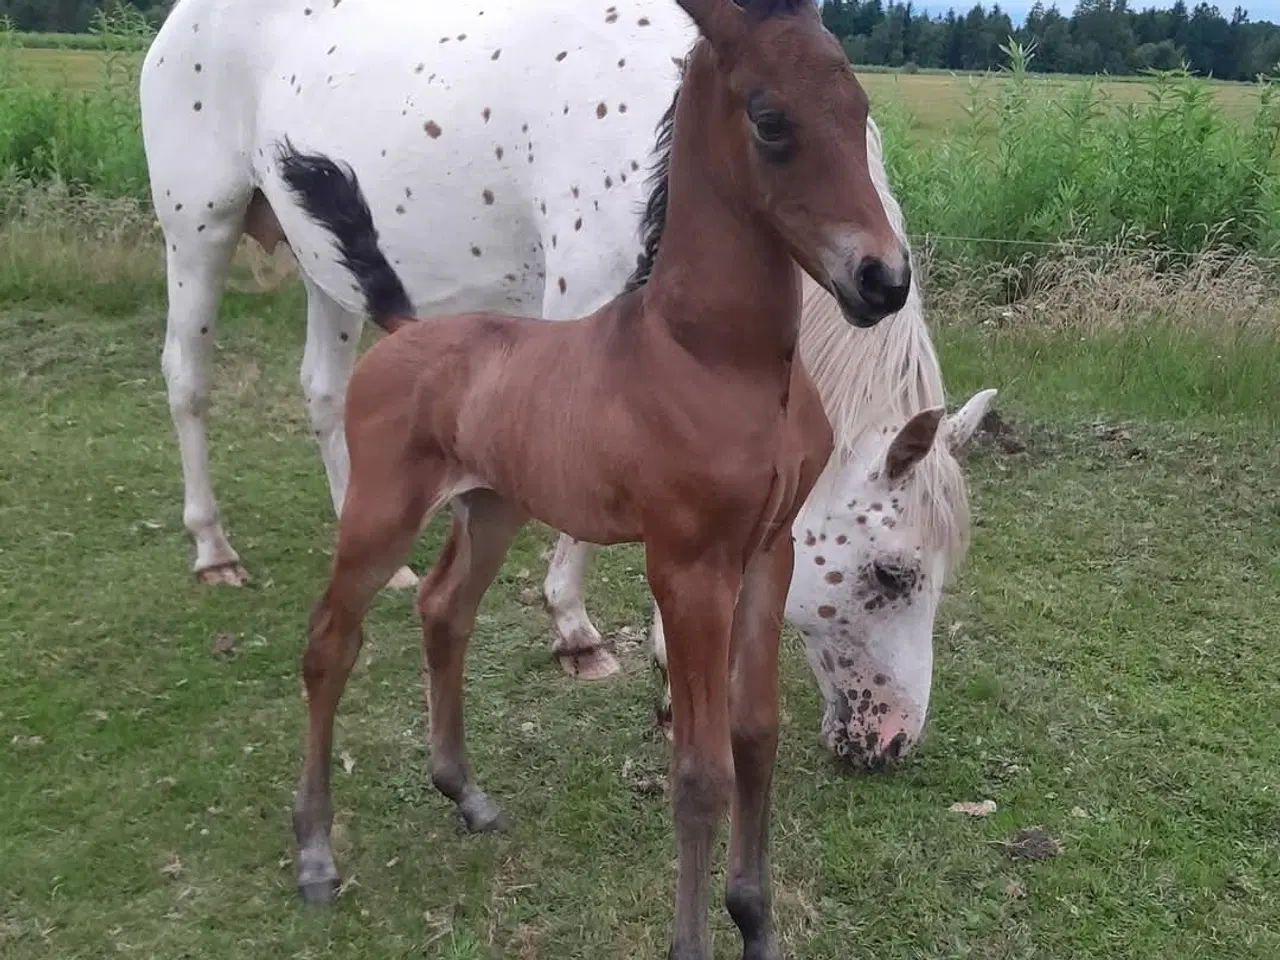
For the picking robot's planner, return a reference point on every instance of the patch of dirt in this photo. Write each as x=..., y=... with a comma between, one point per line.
x=1032, y=843
x=995, y=434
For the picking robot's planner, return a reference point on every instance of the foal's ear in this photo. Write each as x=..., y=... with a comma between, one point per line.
x=720, y=21
x=960, y=426
x=912, y=442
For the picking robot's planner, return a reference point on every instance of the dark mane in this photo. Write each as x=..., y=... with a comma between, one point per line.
x=764, y=9
x=655, y=208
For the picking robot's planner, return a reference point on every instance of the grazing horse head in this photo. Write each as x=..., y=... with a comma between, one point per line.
x=872, y=558
x=789, y=123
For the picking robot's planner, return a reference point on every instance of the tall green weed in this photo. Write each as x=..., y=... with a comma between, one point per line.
x=1036, y=166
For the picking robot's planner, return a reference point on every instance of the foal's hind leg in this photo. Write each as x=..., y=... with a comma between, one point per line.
x=375, y=533
x=578, y=645
x=333, y=340
x=483, y=527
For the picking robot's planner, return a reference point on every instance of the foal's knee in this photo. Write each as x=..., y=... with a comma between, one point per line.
x=700, y=791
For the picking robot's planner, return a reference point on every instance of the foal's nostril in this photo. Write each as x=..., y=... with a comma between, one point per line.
x=880, y=287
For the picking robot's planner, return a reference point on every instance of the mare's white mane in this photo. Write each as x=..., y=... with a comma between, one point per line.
x=886, y=374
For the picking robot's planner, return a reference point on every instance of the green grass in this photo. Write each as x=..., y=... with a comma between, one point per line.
x=1029, y=162
x=1106, y=669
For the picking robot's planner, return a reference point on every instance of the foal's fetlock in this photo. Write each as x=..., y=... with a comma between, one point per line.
x=748, y=905
x=478, y=813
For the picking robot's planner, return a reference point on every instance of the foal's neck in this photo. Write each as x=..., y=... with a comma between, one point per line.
x=723, y=284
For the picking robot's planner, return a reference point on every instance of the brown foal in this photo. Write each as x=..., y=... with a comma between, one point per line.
x=683, y=421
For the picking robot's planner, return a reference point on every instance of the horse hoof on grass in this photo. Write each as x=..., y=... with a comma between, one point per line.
x=403, y=579
x=593, y=663
x=231, y=574
x=481, y=815
x=319, y=893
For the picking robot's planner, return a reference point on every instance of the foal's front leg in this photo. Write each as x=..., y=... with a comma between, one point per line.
x=697, y=601
x=578, y=645
x=753, y=713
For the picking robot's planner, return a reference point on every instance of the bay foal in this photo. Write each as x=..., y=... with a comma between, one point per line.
x=682, y=421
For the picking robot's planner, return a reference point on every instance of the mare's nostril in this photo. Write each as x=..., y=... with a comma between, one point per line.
x=880, y=287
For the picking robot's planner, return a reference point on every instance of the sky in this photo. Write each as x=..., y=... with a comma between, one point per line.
x=1017, y=9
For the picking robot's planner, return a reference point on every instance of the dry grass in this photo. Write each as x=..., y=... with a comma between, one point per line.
x=61, y=246
x=1222, y=294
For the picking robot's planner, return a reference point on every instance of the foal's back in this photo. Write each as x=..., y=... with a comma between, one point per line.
x=560, y=417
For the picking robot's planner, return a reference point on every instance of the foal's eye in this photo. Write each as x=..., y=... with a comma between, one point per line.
x=772, y=128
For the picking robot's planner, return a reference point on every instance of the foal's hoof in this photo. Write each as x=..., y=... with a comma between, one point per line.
x=481, y=815
x=590, y=663
x=230, y=574
x=403, y=579
x=319, y=893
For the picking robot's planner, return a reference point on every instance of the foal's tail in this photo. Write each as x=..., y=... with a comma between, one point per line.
x=330, y=194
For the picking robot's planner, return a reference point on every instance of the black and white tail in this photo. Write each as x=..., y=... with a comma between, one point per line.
x=330, y=194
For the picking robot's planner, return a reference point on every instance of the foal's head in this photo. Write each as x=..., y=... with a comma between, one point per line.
x=790, y=125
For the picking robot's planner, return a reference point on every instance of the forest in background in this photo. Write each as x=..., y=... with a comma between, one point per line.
x=1096, y=36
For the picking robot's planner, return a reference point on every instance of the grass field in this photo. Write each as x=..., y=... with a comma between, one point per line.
x=935, y=100
x=1107, y=670
x=1106, y=661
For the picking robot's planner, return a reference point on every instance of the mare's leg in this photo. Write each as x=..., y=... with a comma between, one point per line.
x=483, y=527
x=333, y=341
x=383, y=513
x=198, y=256
x=578, y=645
x=753, y=712
x=658, y=647
x=697, y=601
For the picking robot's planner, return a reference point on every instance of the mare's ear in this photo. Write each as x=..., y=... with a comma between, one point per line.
x=720, y=21
x=960, y=425
x=912, y=442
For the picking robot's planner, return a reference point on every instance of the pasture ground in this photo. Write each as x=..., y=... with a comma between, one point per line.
x=936, y=100
x=1107, y=667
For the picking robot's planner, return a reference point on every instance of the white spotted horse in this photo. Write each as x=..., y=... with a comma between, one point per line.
x=505, y=146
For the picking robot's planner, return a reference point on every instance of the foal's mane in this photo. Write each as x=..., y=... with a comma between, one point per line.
x=870, y=381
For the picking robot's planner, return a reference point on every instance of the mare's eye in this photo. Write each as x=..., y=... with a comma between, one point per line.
x=894, y=581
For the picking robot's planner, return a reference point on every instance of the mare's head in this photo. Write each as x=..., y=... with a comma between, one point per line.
x=788, y=123
x=874, y=549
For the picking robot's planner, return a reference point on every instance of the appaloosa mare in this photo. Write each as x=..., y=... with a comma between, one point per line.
x=538, y=119
x=683, y=421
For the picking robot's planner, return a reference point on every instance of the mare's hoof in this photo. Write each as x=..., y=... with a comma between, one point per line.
x=319, y=893
x=664, y=721
x=403, y=579
x=230, y=574
x=591, y=663
x=481, y=815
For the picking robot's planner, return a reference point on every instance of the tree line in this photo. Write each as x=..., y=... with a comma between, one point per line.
x=73, y=16
x=1099, y=36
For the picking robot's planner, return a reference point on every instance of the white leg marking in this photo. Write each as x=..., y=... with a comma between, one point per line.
x=578, y=645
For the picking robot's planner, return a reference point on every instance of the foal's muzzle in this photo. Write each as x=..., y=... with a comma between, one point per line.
x=872, y=289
